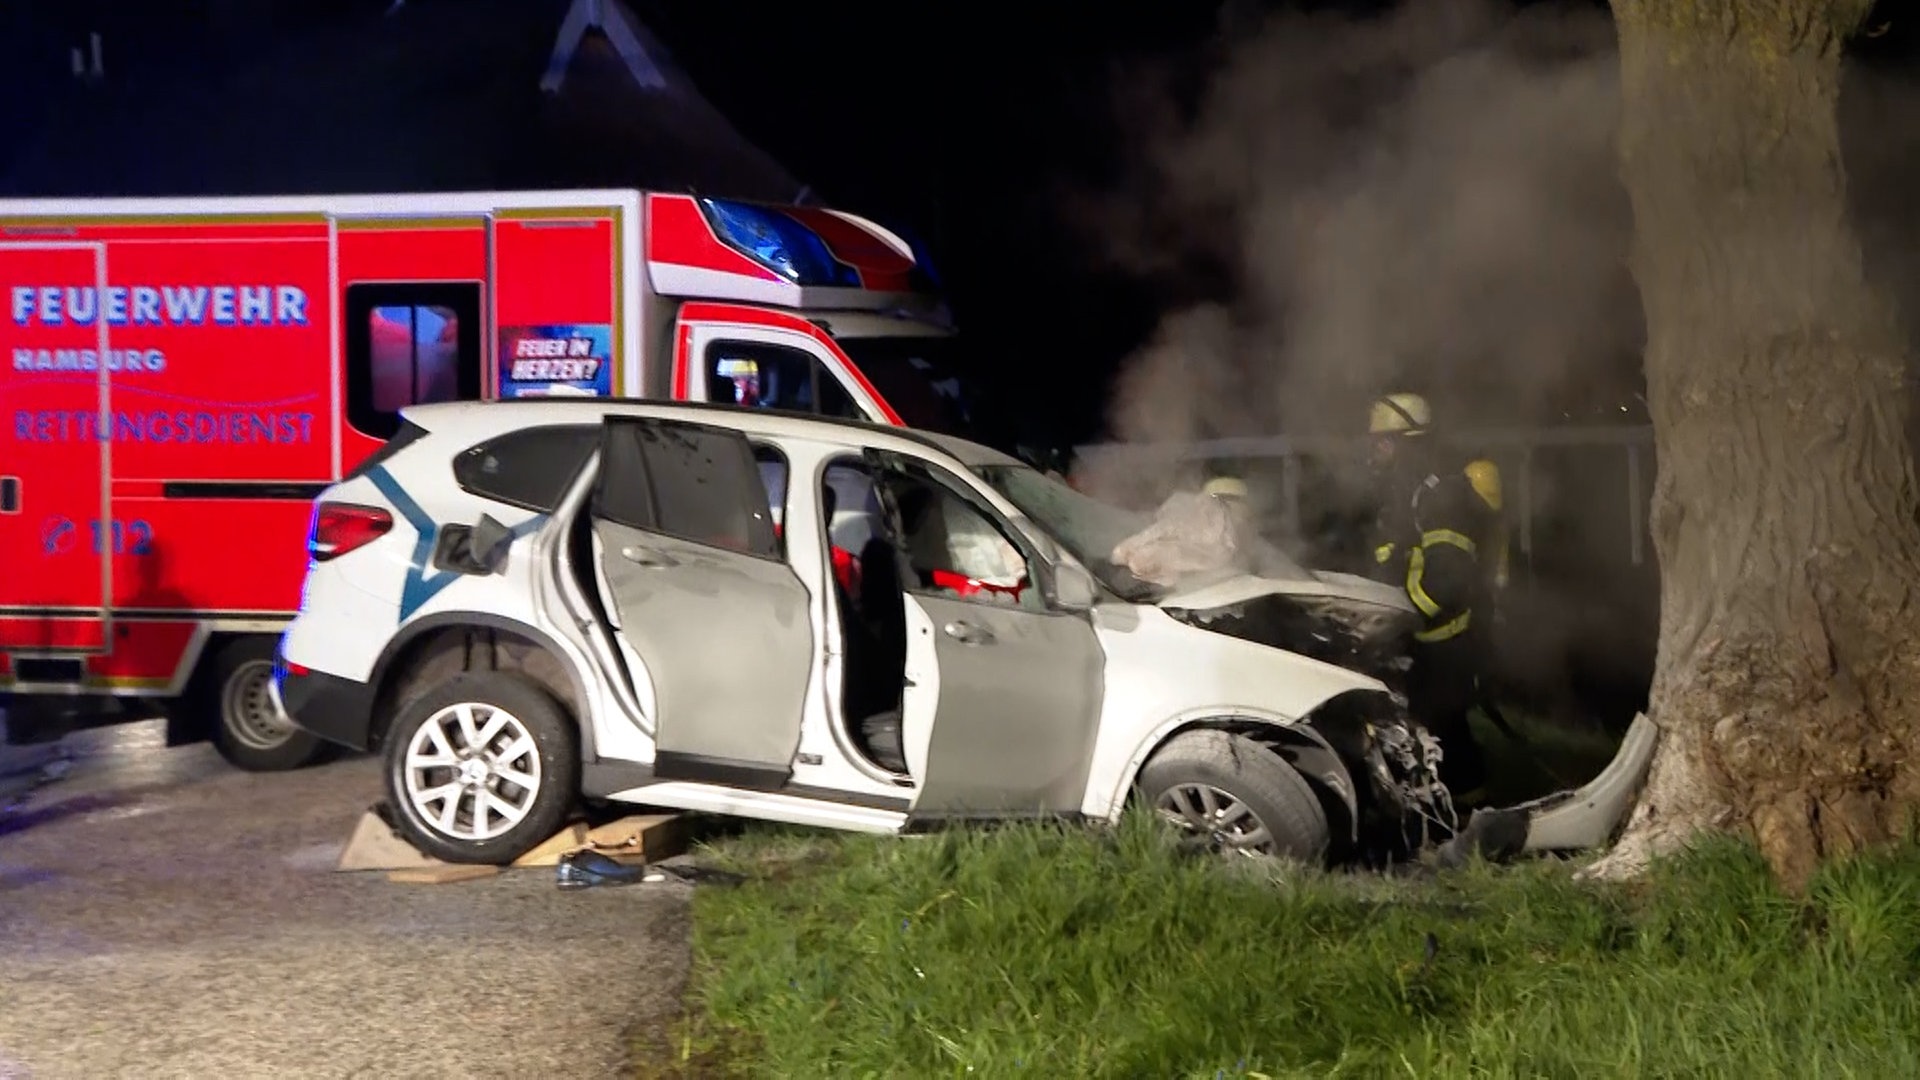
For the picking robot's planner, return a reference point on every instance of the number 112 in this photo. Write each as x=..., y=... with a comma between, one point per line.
x=130, y=538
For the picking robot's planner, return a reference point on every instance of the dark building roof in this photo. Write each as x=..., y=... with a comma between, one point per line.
x=299, y=96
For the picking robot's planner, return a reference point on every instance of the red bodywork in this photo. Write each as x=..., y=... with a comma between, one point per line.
x=231, y=339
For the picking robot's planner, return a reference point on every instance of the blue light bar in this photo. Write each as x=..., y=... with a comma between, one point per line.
x=777, y=242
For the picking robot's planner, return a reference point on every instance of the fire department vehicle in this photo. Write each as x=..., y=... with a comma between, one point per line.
x=185, y=375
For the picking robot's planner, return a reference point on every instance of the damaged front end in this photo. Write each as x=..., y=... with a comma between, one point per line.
x=1396, y=754
x=1402, y=807
x=1376, y=736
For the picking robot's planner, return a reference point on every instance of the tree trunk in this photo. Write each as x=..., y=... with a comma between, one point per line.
x=1787, y=685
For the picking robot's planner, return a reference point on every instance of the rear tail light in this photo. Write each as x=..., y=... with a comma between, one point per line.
x=341, y=527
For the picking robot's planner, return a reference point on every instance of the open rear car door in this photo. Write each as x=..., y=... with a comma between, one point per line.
x=695, y=574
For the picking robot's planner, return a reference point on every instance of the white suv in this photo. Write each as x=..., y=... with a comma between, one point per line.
x=828, y=623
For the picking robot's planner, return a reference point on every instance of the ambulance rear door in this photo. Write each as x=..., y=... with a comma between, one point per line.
x=414, y=296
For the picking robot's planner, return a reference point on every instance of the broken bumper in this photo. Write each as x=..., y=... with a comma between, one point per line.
x=1578, y=820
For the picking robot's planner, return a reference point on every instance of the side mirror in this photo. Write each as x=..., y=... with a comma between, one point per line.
x=1073, y=588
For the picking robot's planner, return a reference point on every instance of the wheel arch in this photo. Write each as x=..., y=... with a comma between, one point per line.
x=1316, y=755
x=442, y=645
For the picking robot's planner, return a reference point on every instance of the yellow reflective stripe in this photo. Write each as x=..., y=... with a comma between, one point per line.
x=1452, y=628
x=1382, y=553
x=1416, y=590
x=1448, y=536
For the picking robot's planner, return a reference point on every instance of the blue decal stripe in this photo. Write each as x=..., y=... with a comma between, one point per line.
x=422, y=584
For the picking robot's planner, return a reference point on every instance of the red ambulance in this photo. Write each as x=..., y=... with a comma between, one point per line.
x=184, y=375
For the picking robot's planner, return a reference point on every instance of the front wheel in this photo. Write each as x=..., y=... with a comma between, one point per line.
x=1237, y=797
x=250, y=730
x=482, y=768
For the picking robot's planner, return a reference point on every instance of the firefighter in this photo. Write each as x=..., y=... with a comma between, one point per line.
x=1439, y=536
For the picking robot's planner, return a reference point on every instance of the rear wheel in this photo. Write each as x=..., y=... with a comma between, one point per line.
x=1236, y=797
x=482, y=768
x=249, y=729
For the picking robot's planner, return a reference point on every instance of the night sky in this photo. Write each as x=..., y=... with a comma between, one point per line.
x=967, y=126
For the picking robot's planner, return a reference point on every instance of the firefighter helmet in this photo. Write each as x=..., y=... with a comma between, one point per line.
x=1399, y=414
x=1226, y=487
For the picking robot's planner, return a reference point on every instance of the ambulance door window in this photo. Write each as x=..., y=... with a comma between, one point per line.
x=766, y=376
x=409, y=344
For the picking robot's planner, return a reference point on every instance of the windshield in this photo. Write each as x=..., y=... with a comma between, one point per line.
x=1090, y=529
x=1087, y=528
x=920, y=377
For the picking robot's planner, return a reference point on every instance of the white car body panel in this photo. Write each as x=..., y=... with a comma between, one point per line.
x=1218, y=677
x=922, y=695
x=818, y=813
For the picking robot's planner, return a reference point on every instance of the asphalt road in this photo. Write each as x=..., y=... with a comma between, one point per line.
x=164, y=915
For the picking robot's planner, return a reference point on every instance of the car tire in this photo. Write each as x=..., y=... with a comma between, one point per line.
x=250, y=731
x=1233, y=769
x=539, y=782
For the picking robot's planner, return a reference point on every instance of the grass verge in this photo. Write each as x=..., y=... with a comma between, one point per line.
x=1059, y=951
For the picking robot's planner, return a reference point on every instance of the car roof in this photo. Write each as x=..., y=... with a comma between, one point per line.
x=476, y=420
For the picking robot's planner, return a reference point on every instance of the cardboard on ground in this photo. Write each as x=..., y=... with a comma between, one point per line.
x=641, y=838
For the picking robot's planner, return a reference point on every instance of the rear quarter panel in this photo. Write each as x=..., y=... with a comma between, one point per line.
x=355, y=606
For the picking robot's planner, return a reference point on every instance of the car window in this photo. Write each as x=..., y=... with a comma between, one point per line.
x=956, y=547
x=773, y=477
x=687, y=481
x=766, y=376
x=529, y=468
x=856, y=506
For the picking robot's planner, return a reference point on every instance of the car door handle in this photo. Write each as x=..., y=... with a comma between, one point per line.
x=968, y=634
x=647, y=557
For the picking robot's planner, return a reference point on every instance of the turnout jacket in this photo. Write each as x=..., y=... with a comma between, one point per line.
x=1439, y=535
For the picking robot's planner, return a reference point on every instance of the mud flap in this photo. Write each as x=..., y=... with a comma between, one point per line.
x=1577, y=820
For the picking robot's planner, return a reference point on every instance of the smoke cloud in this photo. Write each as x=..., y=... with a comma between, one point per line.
x=1426, y=201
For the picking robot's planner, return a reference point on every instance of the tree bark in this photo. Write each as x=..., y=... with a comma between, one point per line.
x=1787, y=683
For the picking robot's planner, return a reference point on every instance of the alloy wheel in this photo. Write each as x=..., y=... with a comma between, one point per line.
x=1215, y=818
x=471, y=771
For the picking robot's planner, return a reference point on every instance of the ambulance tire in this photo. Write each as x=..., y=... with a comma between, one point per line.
x=232, y=692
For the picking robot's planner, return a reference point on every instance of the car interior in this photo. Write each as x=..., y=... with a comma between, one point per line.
x=873, y=628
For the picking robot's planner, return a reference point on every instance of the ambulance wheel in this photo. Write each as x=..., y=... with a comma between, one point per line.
x=482, y=768
x=249, y=730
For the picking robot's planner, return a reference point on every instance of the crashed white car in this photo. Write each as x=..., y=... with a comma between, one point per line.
x=521, y=604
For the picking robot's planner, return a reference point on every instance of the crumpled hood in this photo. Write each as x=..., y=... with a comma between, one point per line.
x=1217, y=591
x=1340, y=619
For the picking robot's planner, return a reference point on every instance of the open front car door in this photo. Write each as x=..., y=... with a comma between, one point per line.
x=1020, y=682
x=694, y=573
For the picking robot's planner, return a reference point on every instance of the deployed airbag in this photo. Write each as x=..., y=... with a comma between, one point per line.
x=1191, y=534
